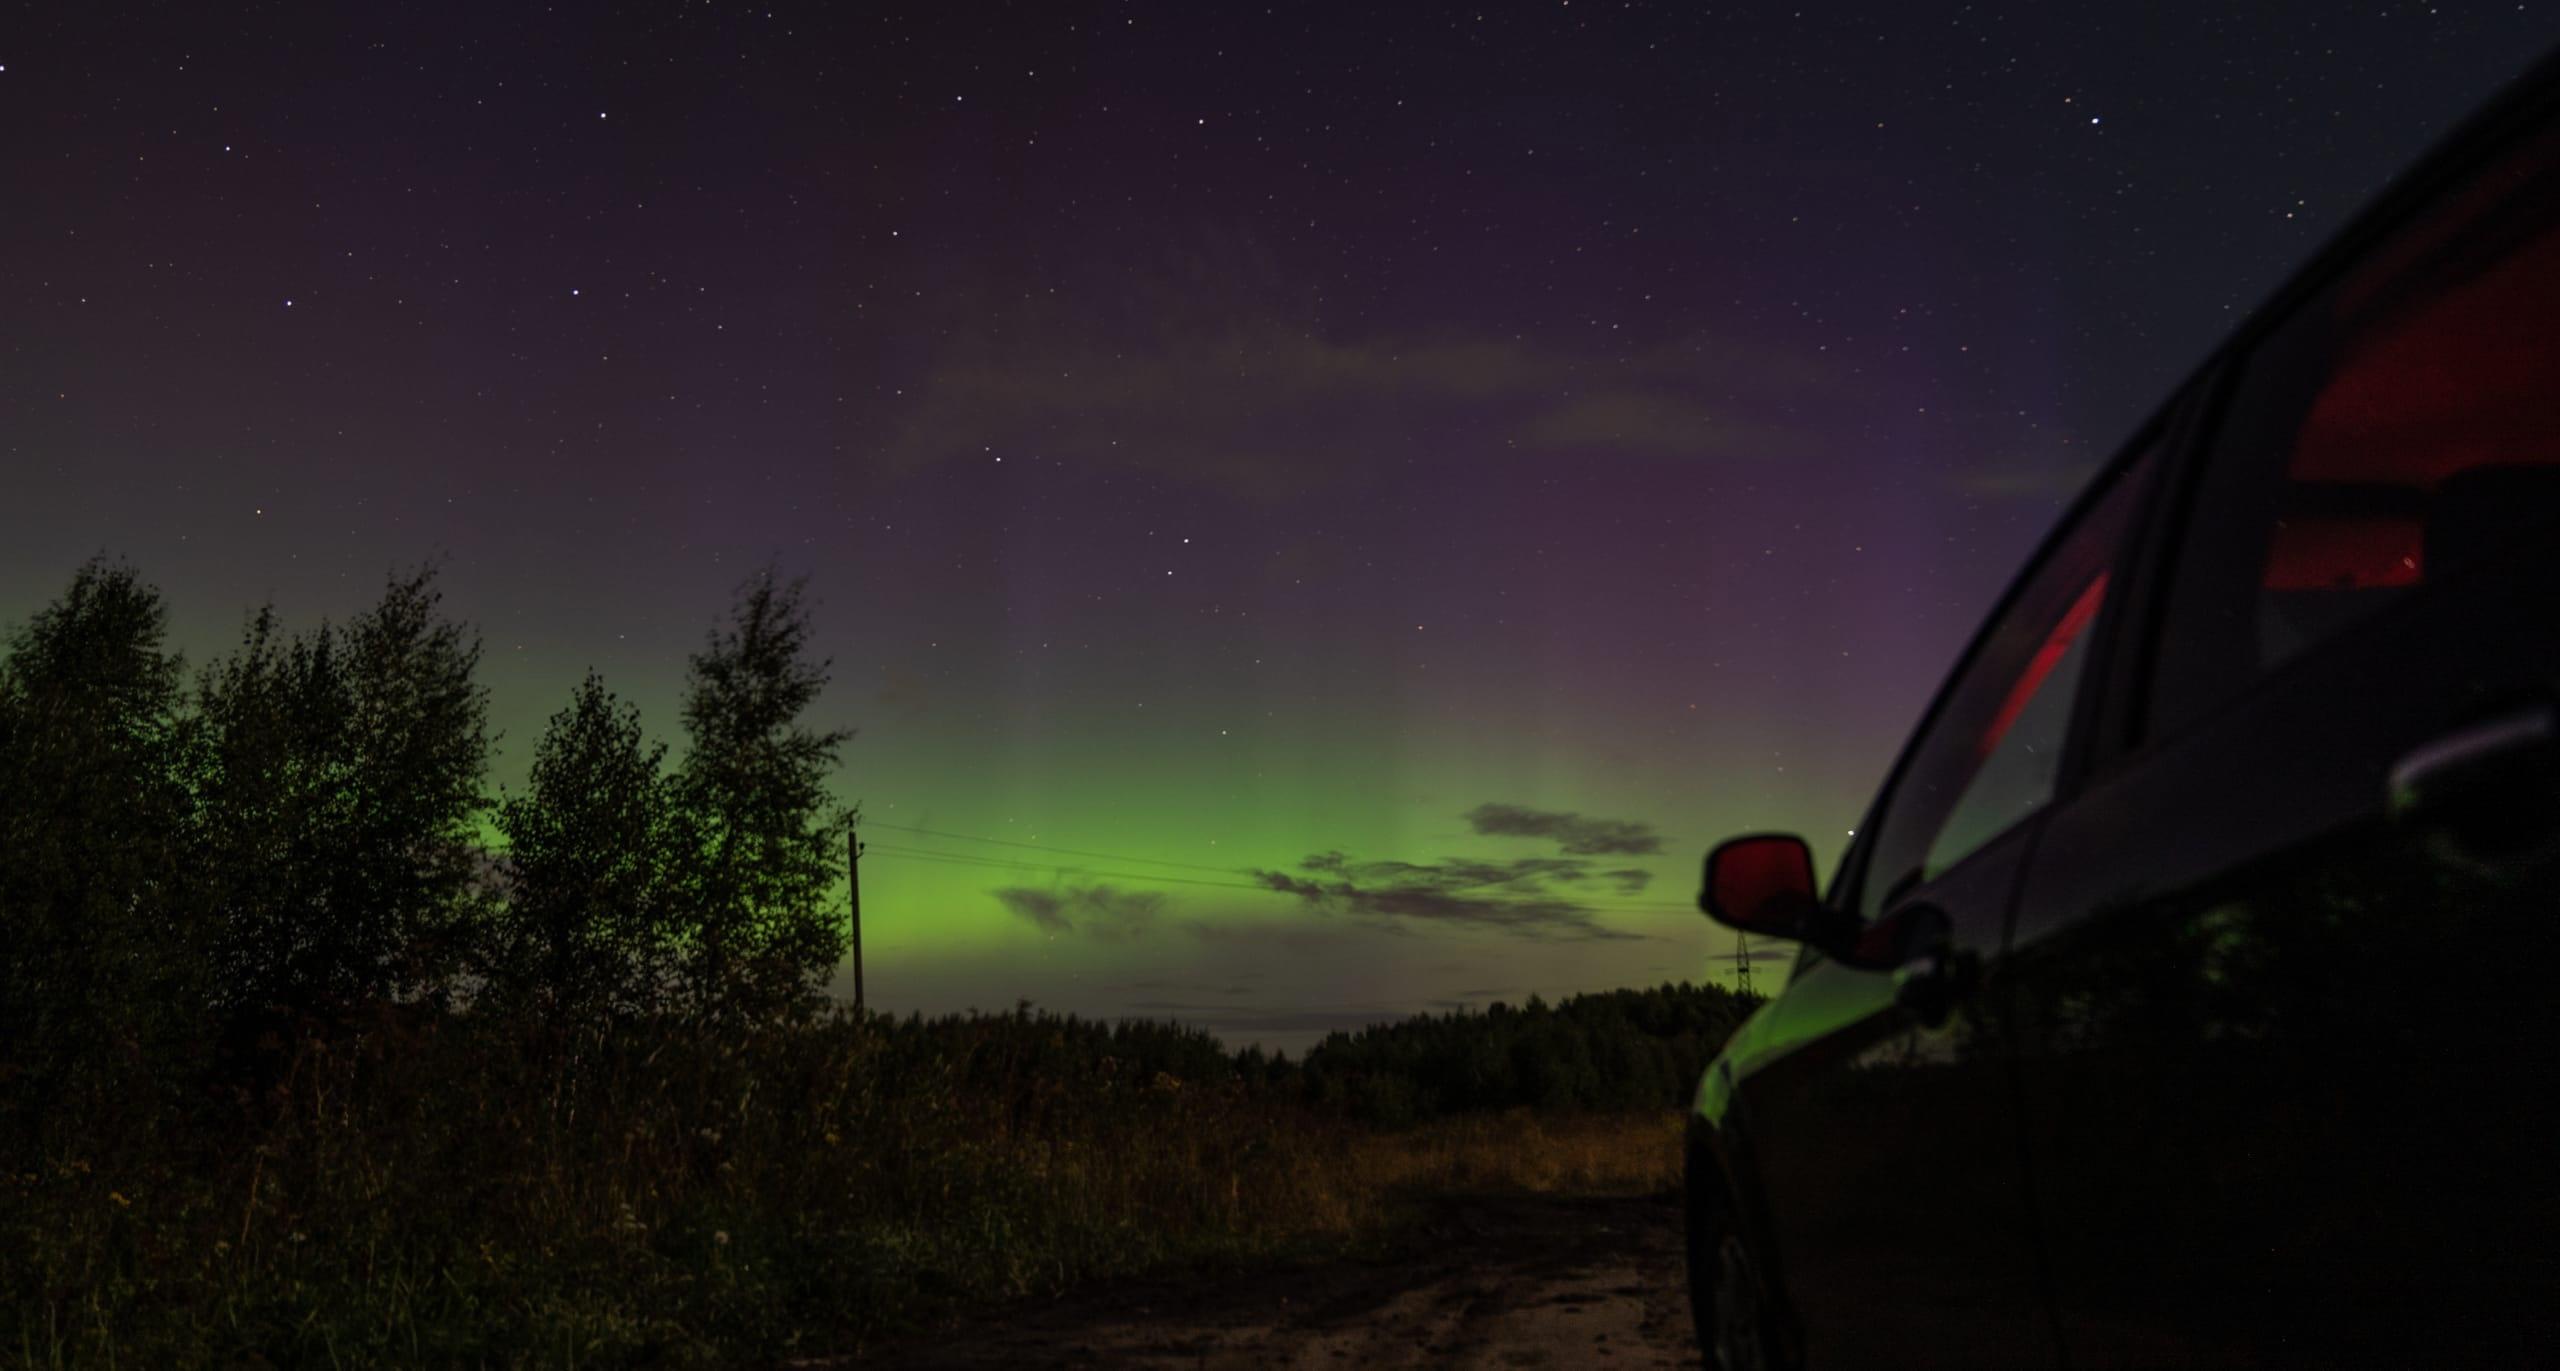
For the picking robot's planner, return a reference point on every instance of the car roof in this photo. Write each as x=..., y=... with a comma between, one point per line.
x=2529, y=95
x=2515, y=105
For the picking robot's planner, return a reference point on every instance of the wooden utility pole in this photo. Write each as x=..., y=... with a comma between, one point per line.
x=853, y=878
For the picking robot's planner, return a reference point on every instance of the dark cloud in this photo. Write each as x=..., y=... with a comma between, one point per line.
x=1466, y=873
x=1512, y=897
x=1102, y=912
x=1043, y=907
x=1631, y=880
x=1575, y=833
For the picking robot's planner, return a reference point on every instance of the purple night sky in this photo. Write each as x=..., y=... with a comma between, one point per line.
x=1217, y=437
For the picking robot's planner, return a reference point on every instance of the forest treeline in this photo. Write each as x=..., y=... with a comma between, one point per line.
x=1614, y=1050
x=297, y=1066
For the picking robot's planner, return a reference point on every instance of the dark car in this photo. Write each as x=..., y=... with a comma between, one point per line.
x=2189, y=994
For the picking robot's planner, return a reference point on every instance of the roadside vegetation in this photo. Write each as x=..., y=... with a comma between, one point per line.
x=294, y=1072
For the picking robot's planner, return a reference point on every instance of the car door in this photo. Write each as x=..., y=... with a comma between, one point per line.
x=1881, y=1115
x=2281, y=969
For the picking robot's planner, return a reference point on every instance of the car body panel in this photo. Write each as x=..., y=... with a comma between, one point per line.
x=2289, y=1101
x=1887, y=1164
x=2280, y=1066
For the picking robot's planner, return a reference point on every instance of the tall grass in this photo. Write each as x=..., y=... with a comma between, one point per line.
x=433, y=1190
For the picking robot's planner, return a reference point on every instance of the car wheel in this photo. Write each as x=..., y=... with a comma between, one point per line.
x=1728, y=1297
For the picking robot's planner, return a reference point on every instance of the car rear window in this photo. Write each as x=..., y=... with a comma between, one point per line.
x=2401, y=428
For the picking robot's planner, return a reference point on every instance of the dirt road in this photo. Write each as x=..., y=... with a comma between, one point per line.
x=1499, y=1282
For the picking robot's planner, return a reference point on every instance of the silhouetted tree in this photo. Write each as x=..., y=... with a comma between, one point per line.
x=587, y=929
x=337, y=778
x=97, y=974
x=259, y=764
x=765, y=841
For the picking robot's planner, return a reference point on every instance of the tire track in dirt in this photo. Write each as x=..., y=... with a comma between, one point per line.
x=1490, y=1283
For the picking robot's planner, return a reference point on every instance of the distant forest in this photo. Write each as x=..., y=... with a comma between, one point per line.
x=294, y=1070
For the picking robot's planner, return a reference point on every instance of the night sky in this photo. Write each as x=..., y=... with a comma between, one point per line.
x=1357, y=497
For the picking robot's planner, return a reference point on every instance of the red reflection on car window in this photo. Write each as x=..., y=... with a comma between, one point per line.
x=2339, y=553
x=2048, y=656
x=2465, y=382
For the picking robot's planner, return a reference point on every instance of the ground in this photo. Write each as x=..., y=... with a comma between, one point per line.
x=1514, y=1281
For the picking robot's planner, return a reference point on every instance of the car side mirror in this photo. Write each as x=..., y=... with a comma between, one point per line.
x=1763, y=884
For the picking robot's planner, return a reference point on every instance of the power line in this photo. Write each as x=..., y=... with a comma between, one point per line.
x=1001, y=864
x=1044, y=847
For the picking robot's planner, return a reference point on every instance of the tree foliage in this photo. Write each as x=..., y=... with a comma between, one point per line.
x=297, y=838
x=589, y=927
x=97, y=961
x=764, y=839
x=337, y=778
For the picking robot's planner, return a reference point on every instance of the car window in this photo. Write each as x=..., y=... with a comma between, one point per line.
x=2394, y=432
x=1992, y=752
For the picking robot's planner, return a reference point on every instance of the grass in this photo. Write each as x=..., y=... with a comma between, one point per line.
x=1587, y=1154
x=435, y=1192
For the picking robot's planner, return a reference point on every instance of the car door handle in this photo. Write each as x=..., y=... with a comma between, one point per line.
x=2478, y=762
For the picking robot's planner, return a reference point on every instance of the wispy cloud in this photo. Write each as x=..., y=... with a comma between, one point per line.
x=1240, y=983
x=1209, y=368
x=1101, y=912
x=1574, y=832
x=1511, y=897
x=1631, y=880
x=1654, y=421
x=2053, y=480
